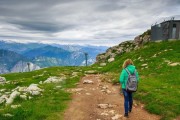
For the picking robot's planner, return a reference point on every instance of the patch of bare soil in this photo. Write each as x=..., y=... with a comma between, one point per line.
x=97, y=100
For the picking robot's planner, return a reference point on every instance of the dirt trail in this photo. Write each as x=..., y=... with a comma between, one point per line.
x=87, y=97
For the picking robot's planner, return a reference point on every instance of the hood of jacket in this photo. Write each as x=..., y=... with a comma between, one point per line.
x=131, y=68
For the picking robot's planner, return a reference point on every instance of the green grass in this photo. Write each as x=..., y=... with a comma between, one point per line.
x=159, y=87
x=51, y=104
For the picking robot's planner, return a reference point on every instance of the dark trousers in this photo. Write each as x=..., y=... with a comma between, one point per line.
x=128, y=101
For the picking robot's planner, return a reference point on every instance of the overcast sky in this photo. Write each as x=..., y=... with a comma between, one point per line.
x=94, y=22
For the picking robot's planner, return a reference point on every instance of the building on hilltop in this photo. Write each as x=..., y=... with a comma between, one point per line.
x=166, y=30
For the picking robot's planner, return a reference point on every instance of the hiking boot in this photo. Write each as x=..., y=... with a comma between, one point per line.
x=130, y=111
x=126, y=115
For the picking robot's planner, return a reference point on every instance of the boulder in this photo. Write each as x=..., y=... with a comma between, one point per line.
x=22, y=89
x=12, y=97
x=33, y=89
x=110, y=59
x=3, y=98
x=2, y=80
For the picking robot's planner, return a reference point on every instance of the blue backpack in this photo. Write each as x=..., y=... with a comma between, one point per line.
x=132, y=82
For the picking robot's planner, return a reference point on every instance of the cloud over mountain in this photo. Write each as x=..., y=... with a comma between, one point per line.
x=96, y=22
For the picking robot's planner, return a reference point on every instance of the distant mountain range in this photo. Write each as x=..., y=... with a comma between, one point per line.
x=13, y=62
x=15, y=56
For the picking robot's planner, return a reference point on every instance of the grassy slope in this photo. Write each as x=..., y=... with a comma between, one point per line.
x=50, y=104
x=159, y=87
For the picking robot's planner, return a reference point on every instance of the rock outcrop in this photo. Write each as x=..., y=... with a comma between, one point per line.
x=127, y=46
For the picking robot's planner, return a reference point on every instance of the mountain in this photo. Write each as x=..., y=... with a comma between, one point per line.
x=48, y=51
x=10, y=60
x=157, y=63
x=56, y=56
x=22, y=66
x=19, y=47
x=45, y=55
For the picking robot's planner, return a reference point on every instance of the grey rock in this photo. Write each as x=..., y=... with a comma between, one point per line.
x=102, y=64
x=111, y=59
x=88, y=82
x=12, y=97
x=2, y=80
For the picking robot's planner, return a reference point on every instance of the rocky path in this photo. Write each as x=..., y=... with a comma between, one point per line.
x=97, y=100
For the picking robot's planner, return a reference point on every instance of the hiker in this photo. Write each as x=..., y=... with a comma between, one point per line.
x=128, y=98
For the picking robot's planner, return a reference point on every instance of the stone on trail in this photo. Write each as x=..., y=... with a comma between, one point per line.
x=88, y=82
x=116, y=117
x=103, y=106
x=104, y=114
x=88, y=93
x=112, y=112
x=108, y=91
x=76, y=89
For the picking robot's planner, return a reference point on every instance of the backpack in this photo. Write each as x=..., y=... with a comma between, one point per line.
x=132, y=83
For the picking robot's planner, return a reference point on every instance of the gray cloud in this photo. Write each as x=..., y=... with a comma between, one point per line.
x=41, y=26
x=97, y=22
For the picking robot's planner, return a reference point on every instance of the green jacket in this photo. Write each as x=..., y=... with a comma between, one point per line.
x=124, y=75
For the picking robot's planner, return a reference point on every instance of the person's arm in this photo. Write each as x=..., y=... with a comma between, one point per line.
x=137, y=75
x=121, y=78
